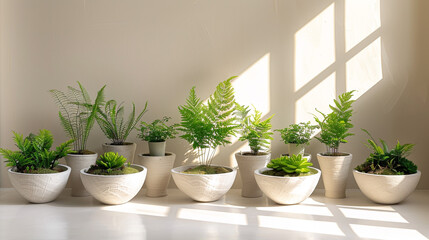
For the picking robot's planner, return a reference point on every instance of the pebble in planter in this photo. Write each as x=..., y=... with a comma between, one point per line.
x=296, y=137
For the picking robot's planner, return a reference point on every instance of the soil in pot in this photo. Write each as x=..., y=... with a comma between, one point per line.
x=120, y=171
x=205, y=169
x=44, y=170
x=285, y=174
x=251, y=154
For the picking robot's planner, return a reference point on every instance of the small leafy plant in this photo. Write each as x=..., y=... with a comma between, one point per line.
x=34, y=155
x=293, y=165
x=158, y=130
x=297, y=133
x=111, y=163
x=387, y=162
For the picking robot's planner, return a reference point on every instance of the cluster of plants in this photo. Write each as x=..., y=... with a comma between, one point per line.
x=158, y=130
x=111, y=163
x=297, y=133
x=294, y=165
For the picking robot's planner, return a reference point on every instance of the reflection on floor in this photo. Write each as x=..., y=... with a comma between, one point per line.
x=233, y=217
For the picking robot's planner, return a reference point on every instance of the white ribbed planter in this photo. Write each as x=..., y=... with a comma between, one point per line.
x=203, y=187
x=158, y=172
x=386, y=189
x=295, y=149
x=78, y=162
x=157, y=148
x=114, y=189
x=306, y=156
x=40, y=188
x=287, y=190
x=335, y=170
x=247, y=164
x=127, y=150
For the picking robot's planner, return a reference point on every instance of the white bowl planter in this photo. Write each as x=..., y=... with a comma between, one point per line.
x=77, y=162
x=247, y=164
x=127, y=150
x=40, y=188
x=386, y=189
x=335, y=170
x=114, y=189
x=203, y=187
x=287, y=190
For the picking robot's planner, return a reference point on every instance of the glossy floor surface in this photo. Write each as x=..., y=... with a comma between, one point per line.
x=233, y=217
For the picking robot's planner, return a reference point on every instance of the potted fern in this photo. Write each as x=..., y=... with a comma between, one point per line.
x=110, y=181
x=296, y=137
x=335, y=126
x=387, y=176
x=205, y=127
x=257, y=133
x=156, y=133
x=35, y=172
x=288, y=179
x=77, y=119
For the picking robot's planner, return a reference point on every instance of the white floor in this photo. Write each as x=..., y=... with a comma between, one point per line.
x=233, y=217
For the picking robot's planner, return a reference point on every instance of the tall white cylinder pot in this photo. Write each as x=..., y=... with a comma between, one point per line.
x=127, y=150
x=335, y=171
x=247, y=164
x=78, y=162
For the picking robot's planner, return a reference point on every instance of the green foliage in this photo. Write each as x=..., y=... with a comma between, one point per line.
x=158, y=130
x=253, y=129
x=206, y=126
x=110, y=160
x=387, y=162
x=77, y=113
x=294, y=164
x=34, y=152
x=335, y=125
x=297, y=133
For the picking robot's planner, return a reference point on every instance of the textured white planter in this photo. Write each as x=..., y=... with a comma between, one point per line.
x=203, y=187
x=114, y=189
x=295, y=149
x=306, y=156
x=287, y=190
x=157, y=148
x=335, y=170
x=78, y=162
x=40, y=188
x=386, y=189
x=247, y=164
x=127, y=150
x=158, y=172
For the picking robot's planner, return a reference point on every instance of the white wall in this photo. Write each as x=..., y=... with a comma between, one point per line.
x=157, y=50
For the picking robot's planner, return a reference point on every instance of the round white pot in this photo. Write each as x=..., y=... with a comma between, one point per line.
x=127, y=150
x=295, y=149
x=203, y=187
x=386, y=189
x=158, y=174
x=306, y=156
x=114, y=189
x=157, y=148
x=335, y=170
x=287, y=190
x=78, y=162
x=40, y=188
x=247, y=164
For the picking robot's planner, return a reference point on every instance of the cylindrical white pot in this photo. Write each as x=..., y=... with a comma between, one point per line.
x=335, y=170
x=386, y=189
x=306, y=156
x=114, y=189
x=127, y=150
x=158, y=172
x=295, y=149
x=78, y=162
x=157, y=148
x=247, y=164
x=287, y=190
x=40, y=188
x=203, y=187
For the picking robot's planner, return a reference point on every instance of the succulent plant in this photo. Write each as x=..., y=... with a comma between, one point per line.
x=294, y=164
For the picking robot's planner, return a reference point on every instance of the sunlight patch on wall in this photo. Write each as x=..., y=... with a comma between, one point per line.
x=212, y=216
x=314, y=47
x=374, y=232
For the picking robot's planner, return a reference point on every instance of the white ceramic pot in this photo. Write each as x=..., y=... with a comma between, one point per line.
x=247, y=164
x=386, y=189
x=306, y=156
x=127, y=150
x=78, y=162
x=158, y=172
x=335, y=170
x=157, y=148
x=287, y=190
x=203, y=187
x=295, y=149
x=114, y=189
x=40, y=188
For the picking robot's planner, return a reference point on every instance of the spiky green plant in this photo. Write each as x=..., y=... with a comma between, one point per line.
x=297, y=133
x=289, y=165
x=34, y=152
x=387, y=162
x=111, y=160
x=158, y=130
x=206, y=126
x=76, y=117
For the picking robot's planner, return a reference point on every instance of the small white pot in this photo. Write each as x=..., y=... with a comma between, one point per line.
x=203, y=187
x=247, y=164
x=305, y=156
x=287, y=190
x=127, y=150
x=386, y=189
x=295, y=149
x=114, y=189
x=40, y=188
x=78, y=162
x=157, y=148
x=158, y=172
x=335, y=170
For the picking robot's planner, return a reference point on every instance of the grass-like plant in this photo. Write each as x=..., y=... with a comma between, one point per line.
x=75, y=116
x=35, y=154
x=387, y=162
x=206, y=126
x=253, y=129
x=335, y=126
x=294, y=165
x=158, y=130
x=111, y=163
x=297, y=133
